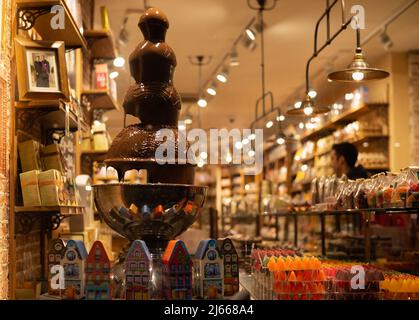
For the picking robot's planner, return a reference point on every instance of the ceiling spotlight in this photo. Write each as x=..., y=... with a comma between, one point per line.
x=202, y=102
x=385, y=40
x=349, y=96
x=358, y=70
x=312, y=93
x=181, y=126
x=252, y=136
x=234, y=58
x=119, y=62
x=188, y=118
x=212, y=90
x=251, y=34
x=269, y=124
x=249, y=44
x=114, y=74
x=297, y=105
x=307, y=108
x=222, y=76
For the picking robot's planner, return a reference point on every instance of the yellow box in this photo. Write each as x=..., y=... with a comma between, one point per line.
x=52, y=158
x=30, y=189
x=29, y=155
x=51, y=188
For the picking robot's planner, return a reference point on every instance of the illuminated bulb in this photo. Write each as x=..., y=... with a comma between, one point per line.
x=181, y=126
x=229, y=158
x=119, y=62
x=304, y=167
x=88, y=188
x=211, y=91
x=247, y=187
x=245, y=141
x=250, y=34
x=301, y=125
x=203, y=155
x=308, y=110
x=202, y=103
x=312, y=94
x=358, y=75
x=188, y=121
x=97, y=123
x=357, y=96
x=114, y=74
x=349, y=96
x=252, y=136
x=200, y=163
x=251, y=153
x=238, y=145
x=269, y=124
x=280, y=141
x=280, y=118
x=297, y=105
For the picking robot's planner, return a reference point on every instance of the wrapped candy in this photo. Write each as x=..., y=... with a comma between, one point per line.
x=360, y=198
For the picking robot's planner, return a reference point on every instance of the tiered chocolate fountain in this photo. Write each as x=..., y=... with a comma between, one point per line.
x=168, y=203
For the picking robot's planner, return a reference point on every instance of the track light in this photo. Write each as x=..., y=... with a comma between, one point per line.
x=297, y=105
x=202, y=102
x=222, y=76
x=188, y=118
x=385, y=40
x=251, y=34
x=211, y=90
x=234, y=58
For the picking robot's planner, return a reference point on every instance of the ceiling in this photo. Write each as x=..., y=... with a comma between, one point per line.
x=209, y=27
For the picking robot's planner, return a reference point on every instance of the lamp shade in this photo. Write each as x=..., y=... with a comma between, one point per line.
x=307, y=108
x=358, y=71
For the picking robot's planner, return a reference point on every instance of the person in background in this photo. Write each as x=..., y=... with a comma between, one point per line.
x=344, y=156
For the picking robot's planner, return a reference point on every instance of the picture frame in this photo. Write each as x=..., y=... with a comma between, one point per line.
x=41, y=70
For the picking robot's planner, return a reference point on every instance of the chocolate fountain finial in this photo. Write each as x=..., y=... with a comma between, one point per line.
x=153, y=98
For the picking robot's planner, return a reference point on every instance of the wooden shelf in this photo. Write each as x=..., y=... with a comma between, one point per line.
x=71, y=34
x=344, y=118
x=50, y=113
x=63, y=210
x=358, y=141
x=101, y=44
x=100, y=99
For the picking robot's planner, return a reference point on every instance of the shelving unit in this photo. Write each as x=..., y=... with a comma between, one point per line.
x=101, y=44
x=40, y=11
x=100, y=99
x=366, y=215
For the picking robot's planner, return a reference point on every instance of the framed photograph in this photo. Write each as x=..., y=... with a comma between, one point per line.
x=41, y=70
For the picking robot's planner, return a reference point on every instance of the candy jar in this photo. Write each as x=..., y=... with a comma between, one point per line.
x=381, y=181
x=412, y=177
x=360, y=198
x=348, y=195
x=389, y=189
x=339, y=193
x=372, y=190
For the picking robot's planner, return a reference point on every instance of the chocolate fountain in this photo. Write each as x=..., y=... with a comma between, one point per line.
x=169, y=203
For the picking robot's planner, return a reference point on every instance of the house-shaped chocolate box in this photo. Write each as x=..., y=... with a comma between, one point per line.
x=73, y=263
x=231, y=266
x=177, y=271
x=55, y=255
x=98, y=270
x=208, y=270
x=137, y=272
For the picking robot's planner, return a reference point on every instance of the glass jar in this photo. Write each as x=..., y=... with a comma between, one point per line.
x=360, y=197
x=389, y=189
x=379, y=196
